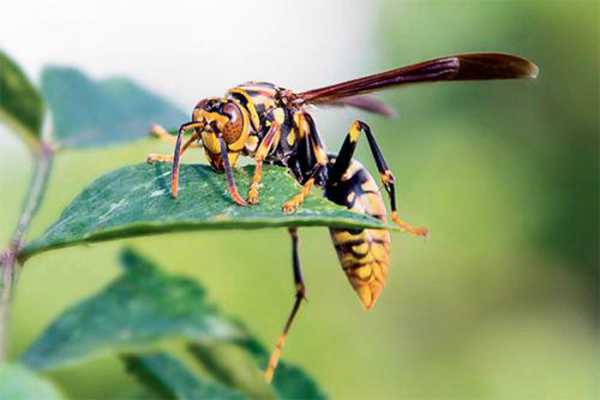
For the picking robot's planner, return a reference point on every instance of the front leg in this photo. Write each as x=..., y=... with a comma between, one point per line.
x=263, y=149
x=167, y=158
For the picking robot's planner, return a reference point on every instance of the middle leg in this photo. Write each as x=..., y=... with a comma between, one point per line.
x=307, y=133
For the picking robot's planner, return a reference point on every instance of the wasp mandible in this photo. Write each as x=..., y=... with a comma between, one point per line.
x=272, y=125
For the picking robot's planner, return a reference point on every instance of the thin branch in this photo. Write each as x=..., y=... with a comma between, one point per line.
x=8, y=259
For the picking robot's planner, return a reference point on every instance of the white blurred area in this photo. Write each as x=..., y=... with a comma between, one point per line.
x=187, y=50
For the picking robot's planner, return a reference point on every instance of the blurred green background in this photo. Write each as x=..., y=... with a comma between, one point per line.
x=501, y=301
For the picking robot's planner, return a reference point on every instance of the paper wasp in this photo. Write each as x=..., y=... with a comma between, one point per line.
x=272, y=125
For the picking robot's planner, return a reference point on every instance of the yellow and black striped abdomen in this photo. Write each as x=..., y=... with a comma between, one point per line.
x=363, y=253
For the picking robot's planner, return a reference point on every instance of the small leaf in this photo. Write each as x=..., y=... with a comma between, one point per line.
x=87, y=113
x=20, y=383
x=135, y=200
x=140, y=308
x=169, y=378
x=21, y=105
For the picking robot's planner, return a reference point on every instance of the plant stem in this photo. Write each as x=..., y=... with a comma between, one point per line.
x=37, y=188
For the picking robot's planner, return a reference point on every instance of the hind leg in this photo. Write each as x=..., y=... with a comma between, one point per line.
x=345, y=157
x=300, y=295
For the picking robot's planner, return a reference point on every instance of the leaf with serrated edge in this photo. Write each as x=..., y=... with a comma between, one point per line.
x=135, y=200
x=169, y=378
x=21, y=105
x=19, y=383
x=88, y=113
x=140, y=308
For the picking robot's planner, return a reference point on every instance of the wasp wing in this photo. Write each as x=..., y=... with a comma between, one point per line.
x=365, y=102
x=461, y=67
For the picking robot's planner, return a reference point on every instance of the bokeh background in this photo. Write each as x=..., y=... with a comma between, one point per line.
x=502, y=300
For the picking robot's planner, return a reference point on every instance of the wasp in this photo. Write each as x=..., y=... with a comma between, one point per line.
x=273, y=125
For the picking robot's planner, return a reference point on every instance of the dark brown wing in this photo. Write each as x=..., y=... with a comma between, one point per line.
x=461, y=67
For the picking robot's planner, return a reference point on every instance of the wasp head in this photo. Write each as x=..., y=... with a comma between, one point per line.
x=223, y=119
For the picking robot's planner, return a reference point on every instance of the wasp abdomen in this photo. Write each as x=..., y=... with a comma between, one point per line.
x=363, y=253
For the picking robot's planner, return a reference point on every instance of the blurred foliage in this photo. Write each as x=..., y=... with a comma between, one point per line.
x=20, y=103
x=19, y=383
x=143, y=310
x=89, y=114
x=137, y=310
x=136, y=200
x=549, y=126
x=169, y=378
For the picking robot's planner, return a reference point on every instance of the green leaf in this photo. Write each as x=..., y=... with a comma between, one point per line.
x=233, y=367
x=137, y=310
x=144, y=308
x=135, y=200
x=20, y=383
x=88, y=113
x=289, y=381
x=21, y=105
x=169, y=378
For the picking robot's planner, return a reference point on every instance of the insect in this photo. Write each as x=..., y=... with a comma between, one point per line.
x=273, y=125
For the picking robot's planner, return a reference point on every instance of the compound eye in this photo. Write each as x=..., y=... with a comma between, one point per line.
x=232, y=129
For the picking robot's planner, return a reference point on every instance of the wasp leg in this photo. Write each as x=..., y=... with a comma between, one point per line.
x=164, y=158
x=161, y=133
x=300, y=295
x=177, y=154
x=261, y=153
x=292, y=204
x=235, y=195
x=308, y=131
x=386, y=175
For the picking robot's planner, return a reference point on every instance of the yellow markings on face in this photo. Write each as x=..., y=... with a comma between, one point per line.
x=210, y=142
x=209, y=117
